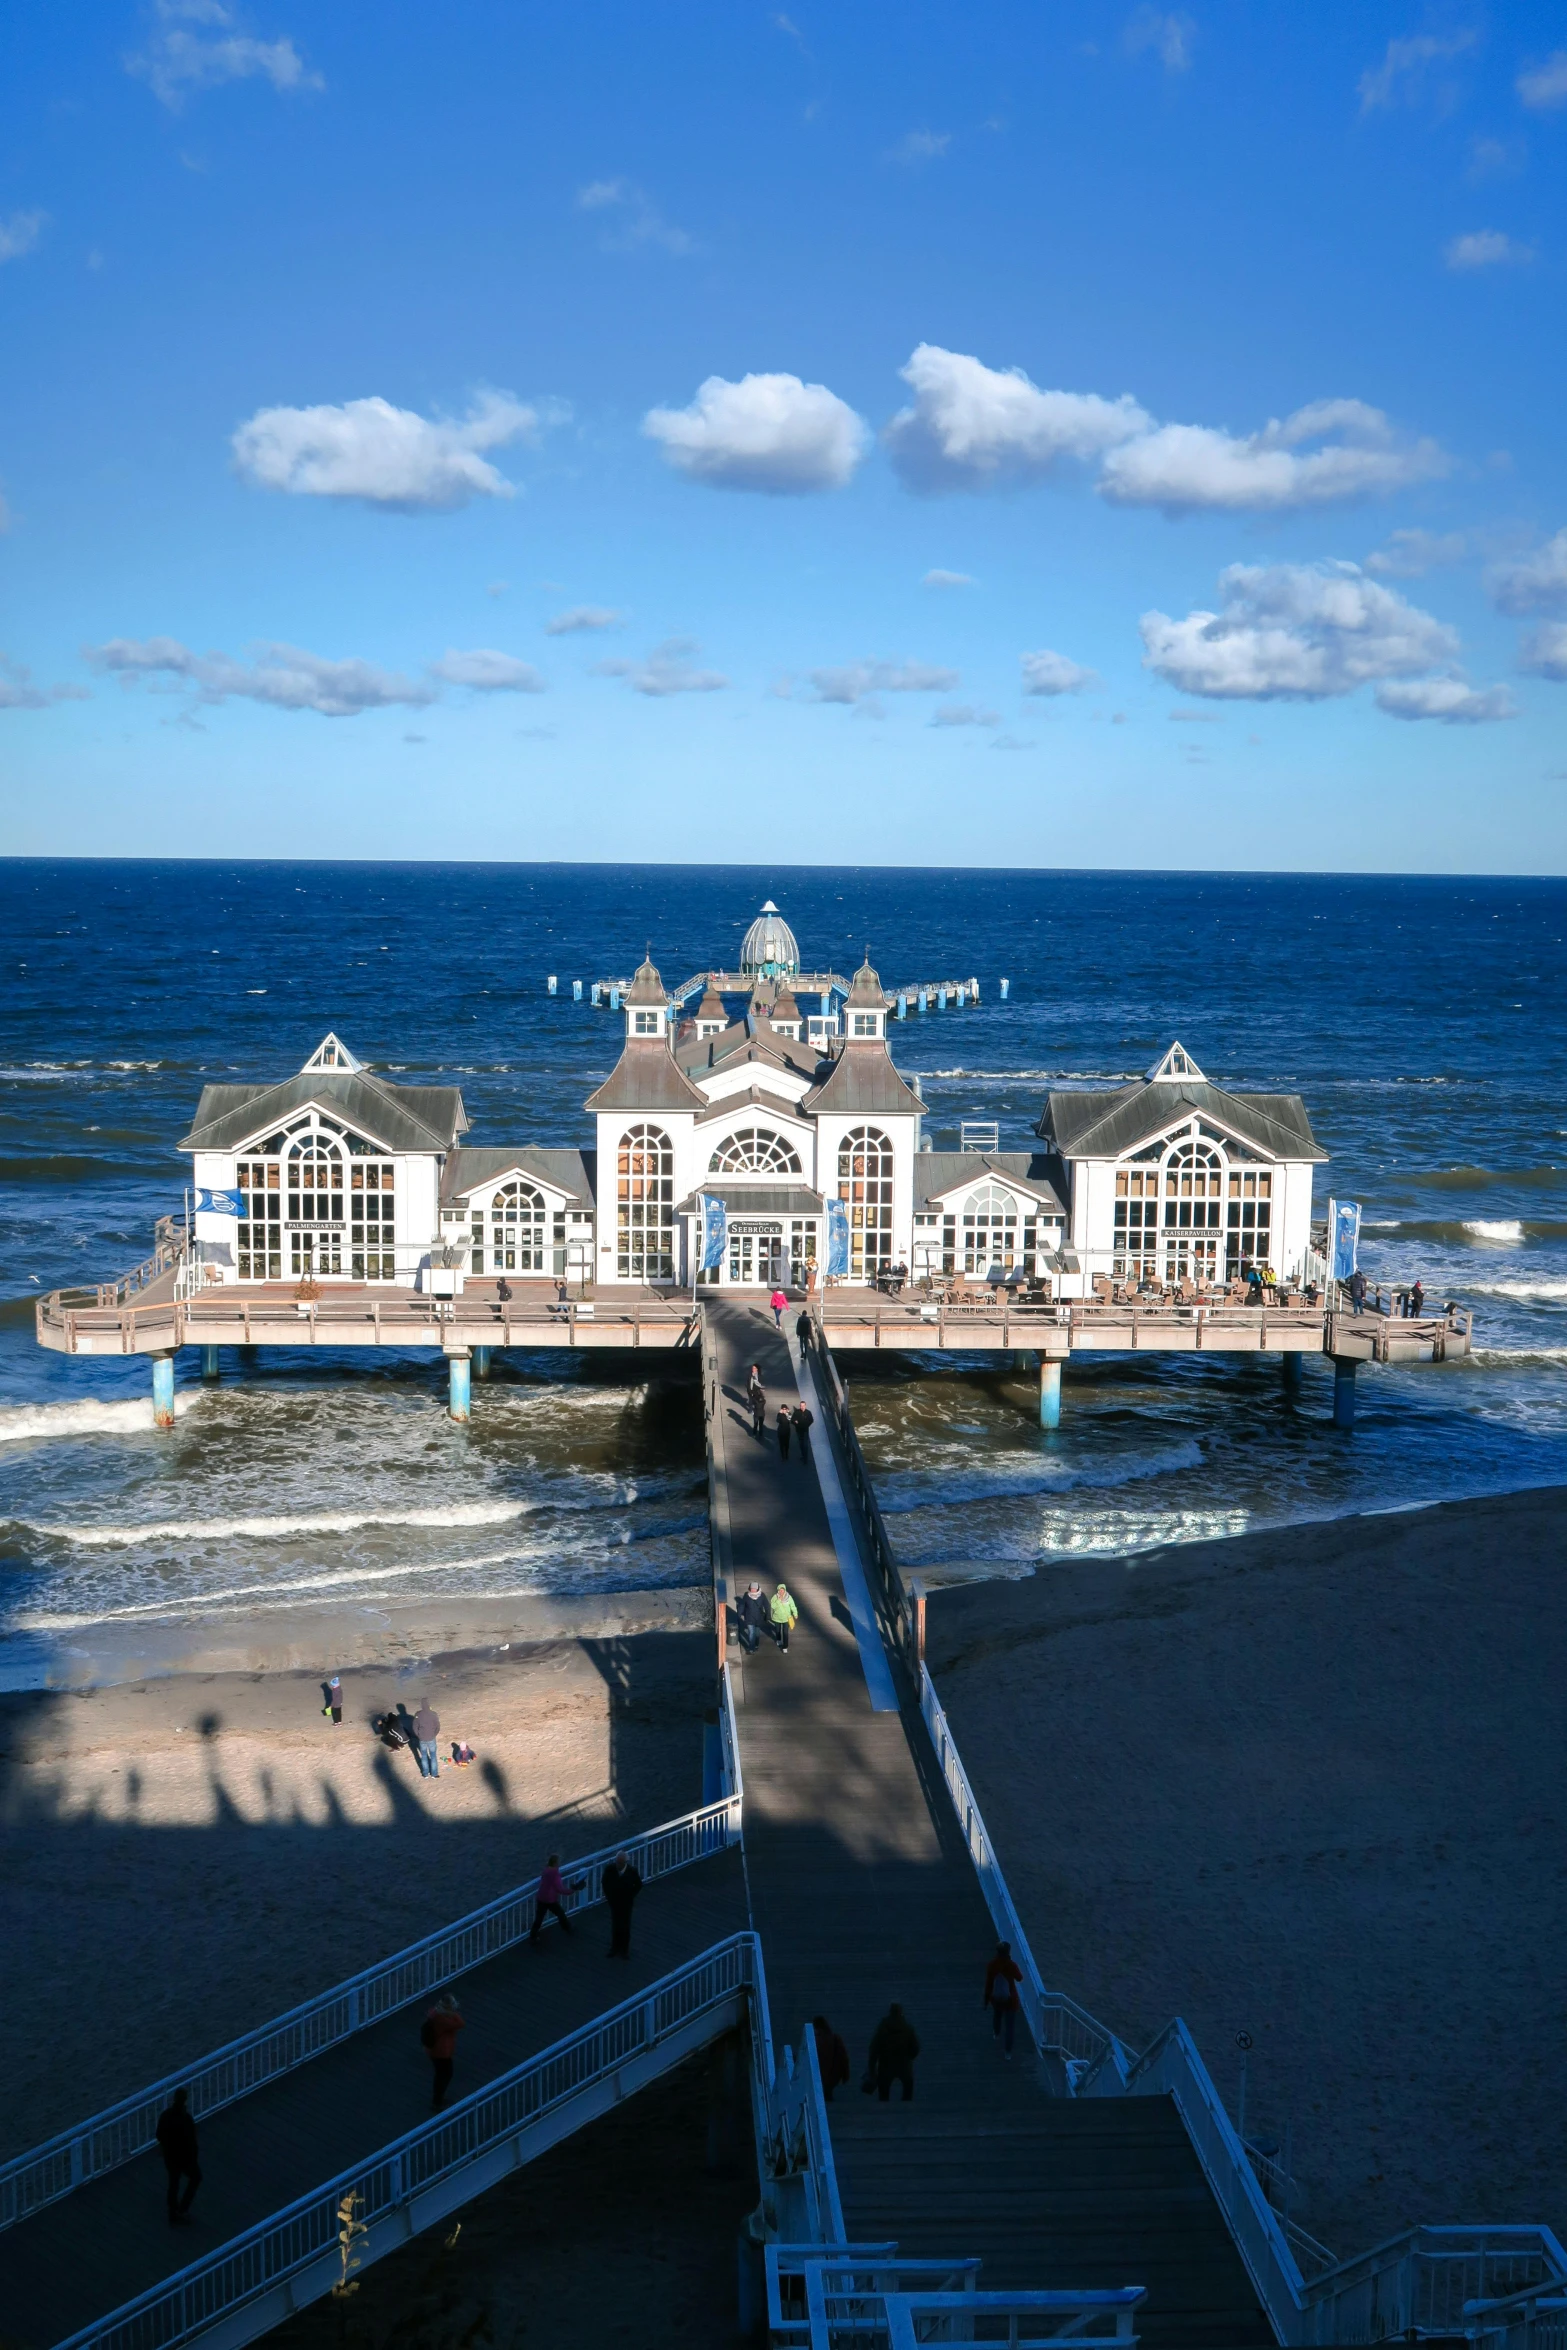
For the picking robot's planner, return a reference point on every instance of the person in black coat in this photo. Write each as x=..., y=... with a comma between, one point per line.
x=621, y=1887
x=177, y=2145
x=751, y=1615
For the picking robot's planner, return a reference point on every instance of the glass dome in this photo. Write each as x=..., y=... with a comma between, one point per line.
x=770, y=951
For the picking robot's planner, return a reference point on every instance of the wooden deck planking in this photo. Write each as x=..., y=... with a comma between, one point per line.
x=862, y=1892
x=85, y=2256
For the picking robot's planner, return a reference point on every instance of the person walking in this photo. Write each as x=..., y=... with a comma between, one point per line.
x=622, y=1884
x=427, y=1729
x=804, y=1419
x=1002, y=1978
x=756, y=1396
x=438, y=2036
x=333, y=1693
x=550, y=1899
x=782, y=1612
x=785, y=1430
x=803, y=1330
x=894, y=2046
x=1357, y=1290
x=1417, y=1299
x=832, y=2056
x=751, y=1616
x=778, y=1301
x=177, y=2144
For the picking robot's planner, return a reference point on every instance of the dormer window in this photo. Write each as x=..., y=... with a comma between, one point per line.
x=867, y=1024
x=645, y=1024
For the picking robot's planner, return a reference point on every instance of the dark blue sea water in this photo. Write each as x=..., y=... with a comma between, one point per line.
x=1421, y=1019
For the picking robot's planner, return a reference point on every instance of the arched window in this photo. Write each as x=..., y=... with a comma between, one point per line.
x=516, y=1231
x=989, y=1229
x=645, y=1204
x=865, y=1183
x=755, y=1150
x=313, y=1191
x=1193, y=1191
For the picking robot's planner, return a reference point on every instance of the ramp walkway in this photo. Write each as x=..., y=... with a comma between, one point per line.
x=106, y=2242
x=862, y=1892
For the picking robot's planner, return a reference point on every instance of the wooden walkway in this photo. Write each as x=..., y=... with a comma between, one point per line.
x=863, y=1893
x=85, y=2256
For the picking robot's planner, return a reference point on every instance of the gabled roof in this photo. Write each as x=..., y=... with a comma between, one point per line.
x=747, y=1040
x=562, y=1170
x=753, y=1098
x=332, y=1053
x=647, y=987
x=1107, y=1122
x=645, y=1078
x=862, y=1078
x=400, y=1117
x=865, y=991
x=938, y=1172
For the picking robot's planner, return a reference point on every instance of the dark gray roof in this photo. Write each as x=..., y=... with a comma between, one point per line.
x=645, y=1078
x=1108, y=1121
x=761, y=1199
x=752, y=1098
x=467, y=1169
x=939, y=1171
x=401, y=1117
x=863, y=1079
x=748, y=1039
x=647, y=987
x=865, y=994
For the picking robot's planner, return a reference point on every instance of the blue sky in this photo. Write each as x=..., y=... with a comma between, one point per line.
x=1106, y=436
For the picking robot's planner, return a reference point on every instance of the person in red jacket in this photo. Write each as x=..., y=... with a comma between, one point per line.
x=438, y=2033
x=1002, y=1978
x=550, y=1899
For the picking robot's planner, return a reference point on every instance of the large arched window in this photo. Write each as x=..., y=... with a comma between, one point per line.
x=645, y=1204
x=755, y=1150
x=865, y=1184
x=516, y=1231
x=989, y=1229
x=1193, y=1192
x=313, y=1192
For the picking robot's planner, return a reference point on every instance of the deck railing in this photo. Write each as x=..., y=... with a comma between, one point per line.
x=294, y=2256
x=121, y=2132
x=896, y=1603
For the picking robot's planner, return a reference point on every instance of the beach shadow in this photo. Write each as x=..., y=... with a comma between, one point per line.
x=495, y=1779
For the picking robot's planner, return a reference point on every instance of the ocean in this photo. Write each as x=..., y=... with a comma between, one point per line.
x=1421, y=1019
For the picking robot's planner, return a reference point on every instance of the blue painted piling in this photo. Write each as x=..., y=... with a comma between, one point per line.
x=1049, y=1395
x=576, y=991
x=551, y=983
x=1344, y=1369
x=481, y=1362
x=163, y=1391
x=461, y=1388
x=209, y=1362
x=1005, y=988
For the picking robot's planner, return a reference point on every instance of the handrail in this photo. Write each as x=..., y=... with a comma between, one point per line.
x=120, y=2132
x=307, y=2232
x=896, y=1603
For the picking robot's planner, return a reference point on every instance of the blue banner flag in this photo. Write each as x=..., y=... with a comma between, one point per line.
x=715, y=1232
x=837, y=1240
x=219, y=1203
x=1343, y=1238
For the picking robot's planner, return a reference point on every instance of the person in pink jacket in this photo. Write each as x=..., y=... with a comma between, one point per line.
x=778, y=1301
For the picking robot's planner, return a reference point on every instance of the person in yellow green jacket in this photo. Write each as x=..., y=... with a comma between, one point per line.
x=782, y=1612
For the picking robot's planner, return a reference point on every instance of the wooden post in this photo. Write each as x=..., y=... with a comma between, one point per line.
x=917, y=1597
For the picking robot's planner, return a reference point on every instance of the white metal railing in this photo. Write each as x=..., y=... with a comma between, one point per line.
x=819, y=2296
x=1434, y=2281
x=416, y=2167
x=119, y=2133
x=1531, y=2320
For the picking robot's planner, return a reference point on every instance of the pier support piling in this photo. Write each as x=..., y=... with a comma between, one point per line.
x=1022, y=1358
x=1049, y=1395
x=1344, y=1369
x=209, y=1362
x=460, y=1391
x=1289, y=1366
x=481, y=1362
x=163, y=1391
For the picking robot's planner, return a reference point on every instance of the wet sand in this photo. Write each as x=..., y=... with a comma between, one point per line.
x=187, y=1856
x=1307, y=1784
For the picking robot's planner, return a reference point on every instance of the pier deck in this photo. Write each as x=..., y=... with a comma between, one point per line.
x=863, y=1892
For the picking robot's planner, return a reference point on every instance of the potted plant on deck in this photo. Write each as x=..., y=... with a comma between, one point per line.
x=306, y=1293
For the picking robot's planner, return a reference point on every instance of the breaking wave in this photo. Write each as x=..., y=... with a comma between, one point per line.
x=34, y=1423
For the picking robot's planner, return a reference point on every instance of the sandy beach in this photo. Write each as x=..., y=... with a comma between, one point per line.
x=186, y=1856
x=1305, y=1784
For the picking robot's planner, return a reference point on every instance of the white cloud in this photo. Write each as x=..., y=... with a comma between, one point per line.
x=1410, y=554
x=180, y=60
x=1406, y=71
x=1326, y=451
x=1536, y=582
x=1168, y=36
x=858, y=681
x=583, y=617
x=667, y=670
x=1195, y=717
x=489, y=673
x=383, y=455
x=1311, y=632
x=964, y=714
x=1496, y=158
x=1446, y=699
x=18, y=692
x=971, y=426
x=767, y=432
x=282, y=675
x=630, y=218
x=1053, y=673
x=947, y=579
x=1544, y=87
x=19, y=233
x=1485, y=248
x=920, y=147
x=1544, y=652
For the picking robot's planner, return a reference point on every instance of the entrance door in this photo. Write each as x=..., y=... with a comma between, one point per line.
x=755, y=1255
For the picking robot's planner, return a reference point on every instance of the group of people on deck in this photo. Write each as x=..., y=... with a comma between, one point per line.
x=792, y=1421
